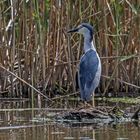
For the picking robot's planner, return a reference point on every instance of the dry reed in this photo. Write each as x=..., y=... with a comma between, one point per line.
x=35, y=47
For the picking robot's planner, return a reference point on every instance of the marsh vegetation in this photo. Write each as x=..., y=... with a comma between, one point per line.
x=38, y=56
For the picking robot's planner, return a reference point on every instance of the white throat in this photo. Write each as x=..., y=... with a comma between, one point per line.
x=88, y=45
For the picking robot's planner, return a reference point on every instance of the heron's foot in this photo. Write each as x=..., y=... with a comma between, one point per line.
x=85, y=105
x=88, y=105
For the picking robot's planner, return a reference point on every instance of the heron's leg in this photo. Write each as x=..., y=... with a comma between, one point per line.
x=93, y=102
x=85, y=104
x=93, y=133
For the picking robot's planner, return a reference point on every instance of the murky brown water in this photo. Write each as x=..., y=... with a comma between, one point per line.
x=33, y=125
x=31, y=131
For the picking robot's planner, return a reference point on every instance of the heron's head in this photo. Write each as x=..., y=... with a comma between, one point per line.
x=85, y=29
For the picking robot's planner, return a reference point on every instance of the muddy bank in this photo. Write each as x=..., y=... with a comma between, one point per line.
x=99, y=115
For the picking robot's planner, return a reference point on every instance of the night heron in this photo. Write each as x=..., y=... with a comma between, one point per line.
x=90, y=64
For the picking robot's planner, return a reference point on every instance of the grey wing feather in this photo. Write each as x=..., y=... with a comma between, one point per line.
x=87, y=71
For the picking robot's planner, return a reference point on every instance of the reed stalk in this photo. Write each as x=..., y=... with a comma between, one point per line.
x=37, y=55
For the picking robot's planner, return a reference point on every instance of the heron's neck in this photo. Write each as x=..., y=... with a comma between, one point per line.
x=88, y=44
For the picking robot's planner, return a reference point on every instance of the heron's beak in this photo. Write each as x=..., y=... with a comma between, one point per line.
x=73, y=30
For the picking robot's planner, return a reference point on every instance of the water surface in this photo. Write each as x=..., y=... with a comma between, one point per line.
x=30, y=124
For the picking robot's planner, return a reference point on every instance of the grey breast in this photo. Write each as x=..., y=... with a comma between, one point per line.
x=88, y=69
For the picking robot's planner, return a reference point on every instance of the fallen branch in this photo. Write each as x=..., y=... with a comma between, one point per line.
x=130, y=84
x=65, y=95
x=25, y=82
